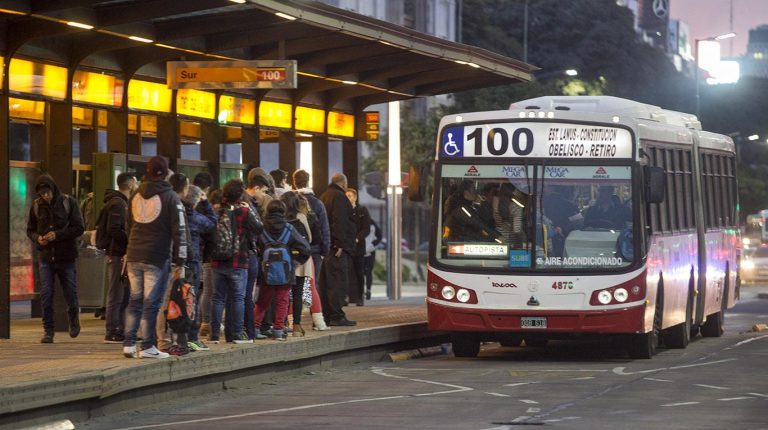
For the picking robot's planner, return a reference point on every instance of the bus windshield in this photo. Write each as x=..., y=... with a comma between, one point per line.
x=579, y=218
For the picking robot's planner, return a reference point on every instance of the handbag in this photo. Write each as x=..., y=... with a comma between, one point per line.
x=306, y=294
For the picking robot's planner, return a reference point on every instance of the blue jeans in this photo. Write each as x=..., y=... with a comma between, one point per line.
x=253, y=276
x=194, y=276
x=148, y=285
x=228, y=282
x=65, y=271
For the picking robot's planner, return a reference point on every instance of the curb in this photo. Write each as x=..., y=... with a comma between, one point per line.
x=95, y=393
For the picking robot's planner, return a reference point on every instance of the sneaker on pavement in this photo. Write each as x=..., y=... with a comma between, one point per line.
x=130, y=351
x=114, y=338
x=153, y=353
x=343, y=322
x=260, y=336
x=214, y=341
x=242, y=338
x=177, y=350
x=197, y=345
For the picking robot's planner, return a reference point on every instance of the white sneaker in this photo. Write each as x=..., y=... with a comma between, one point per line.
x=153, y=353
x=130, y=351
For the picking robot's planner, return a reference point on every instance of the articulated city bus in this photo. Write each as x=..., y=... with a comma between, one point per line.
x=571, y=216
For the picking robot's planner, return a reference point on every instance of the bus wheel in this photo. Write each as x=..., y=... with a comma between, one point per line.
x=713, y=327
x=644, y=345
x=510, y=340
x=536, y=342
x=465, y=344
x=678, y=336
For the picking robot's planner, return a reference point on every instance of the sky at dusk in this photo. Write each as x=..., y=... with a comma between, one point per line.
x=707, y=18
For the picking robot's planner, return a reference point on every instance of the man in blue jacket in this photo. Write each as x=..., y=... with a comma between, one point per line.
x=156, y=239
x=54, y=224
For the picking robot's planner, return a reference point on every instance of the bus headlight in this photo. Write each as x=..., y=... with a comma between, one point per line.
x=621, y=295
x=604, y=297
x=462, y=295
x=448, y=292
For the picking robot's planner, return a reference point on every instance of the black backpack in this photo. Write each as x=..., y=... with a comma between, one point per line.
x=226, y=242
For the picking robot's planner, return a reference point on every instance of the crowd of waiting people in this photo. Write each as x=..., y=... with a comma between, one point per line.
x=229, y=244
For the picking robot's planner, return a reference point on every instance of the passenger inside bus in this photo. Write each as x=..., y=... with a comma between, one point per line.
x=607, y=212
x=564, y=214
x=462, y=221
x=509, y=214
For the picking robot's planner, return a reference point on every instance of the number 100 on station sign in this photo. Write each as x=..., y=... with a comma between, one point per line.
x=536, y=139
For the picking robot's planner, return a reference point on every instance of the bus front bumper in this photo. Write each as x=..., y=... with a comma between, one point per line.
x=629, y=319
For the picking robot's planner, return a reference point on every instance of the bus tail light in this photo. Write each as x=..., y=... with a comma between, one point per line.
x=630, y=291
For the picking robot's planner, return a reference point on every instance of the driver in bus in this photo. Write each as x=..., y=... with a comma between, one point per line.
x=463, y=222
x=564, y=214
x=607, y=212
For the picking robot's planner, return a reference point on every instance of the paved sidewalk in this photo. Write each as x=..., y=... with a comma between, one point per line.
x=36, y=375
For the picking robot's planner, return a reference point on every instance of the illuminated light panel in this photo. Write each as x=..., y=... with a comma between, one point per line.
x=478, y=249
x=274, y=114
x=286, y=16
x=341, y=124
x=97, y=88
x=26, y=109
x=349, y=82
x=144, y=95
x=236, y=109
x=309, y=119
x=36, y=78
x=238, y=1
x=196, y=103
x=476, y=66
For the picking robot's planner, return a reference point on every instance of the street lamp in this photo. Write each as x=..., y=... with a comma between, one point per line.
x=698, y=41
x=554, y=73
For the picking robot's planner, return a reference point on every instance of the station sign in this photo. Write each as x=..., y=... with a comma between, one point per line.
x=264, y=74
x=371, y=126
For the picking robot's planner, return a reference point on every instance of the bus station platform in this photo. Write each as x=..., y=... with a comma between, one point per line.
x=73, y=379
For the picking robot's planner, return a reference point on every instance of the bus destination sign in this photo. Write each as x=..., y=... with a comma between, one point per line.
x=539, y=139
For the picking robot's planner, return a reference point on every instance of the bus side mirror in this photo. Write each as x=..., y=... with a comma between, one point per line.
x=655, y=184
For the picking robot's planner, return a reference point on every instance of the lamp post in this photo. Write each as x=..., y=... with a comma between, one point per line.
x=696, y=72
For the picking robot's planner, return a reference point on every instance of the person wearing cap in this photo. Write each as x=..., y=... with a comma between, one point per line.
x=157, y=244
x=53, y=225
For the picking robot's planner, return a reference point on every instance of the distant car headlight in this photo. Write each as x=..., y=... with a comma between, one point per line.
x=747, y=264
x=745, y=241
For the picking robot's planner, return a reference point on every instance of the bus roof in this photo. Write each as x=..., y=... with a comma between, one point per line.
x=604, y=108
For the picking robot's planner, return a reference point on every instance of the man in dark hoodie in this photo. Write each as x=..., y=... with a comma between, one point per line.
x=115, y=242
x=53, y=225
x=156, y=238
x=334, y=275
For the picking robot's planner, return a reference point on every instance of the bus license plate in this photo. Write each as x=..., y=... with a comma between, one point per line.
x=533, y=322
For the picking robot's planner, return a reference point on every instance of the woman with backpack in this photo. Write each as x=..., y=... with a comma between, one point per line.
x=298, y=219
x=282, y=249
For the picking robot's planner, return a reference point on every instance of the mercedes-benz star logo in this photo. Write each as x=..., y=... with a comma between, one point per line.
x=660, y=8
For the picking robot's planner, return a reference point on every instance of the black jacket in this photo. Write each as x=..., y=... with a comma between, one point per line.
x=156, y=225
x=64, y=219
x=339, y=210
x=116, y=210
x=363, y=224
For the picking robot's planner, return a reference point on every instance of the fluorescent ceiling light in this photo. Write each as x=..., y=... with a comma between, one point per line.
x=79, y=25
x=474, y=65
x=238, y=1
x=349, y=82
x=140, y=39
x=725, y=36
x=285, y=15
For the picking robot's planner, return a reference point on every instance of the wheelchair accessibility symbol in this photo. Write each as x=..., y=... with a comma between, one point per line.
x=453, y=142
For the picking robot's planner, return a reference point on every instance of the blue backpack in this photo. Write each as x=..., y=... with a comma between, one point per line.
x=277, y=265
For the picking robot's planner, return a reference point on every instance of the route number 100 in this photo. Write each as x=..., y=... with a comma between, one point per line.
x=497, y=141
